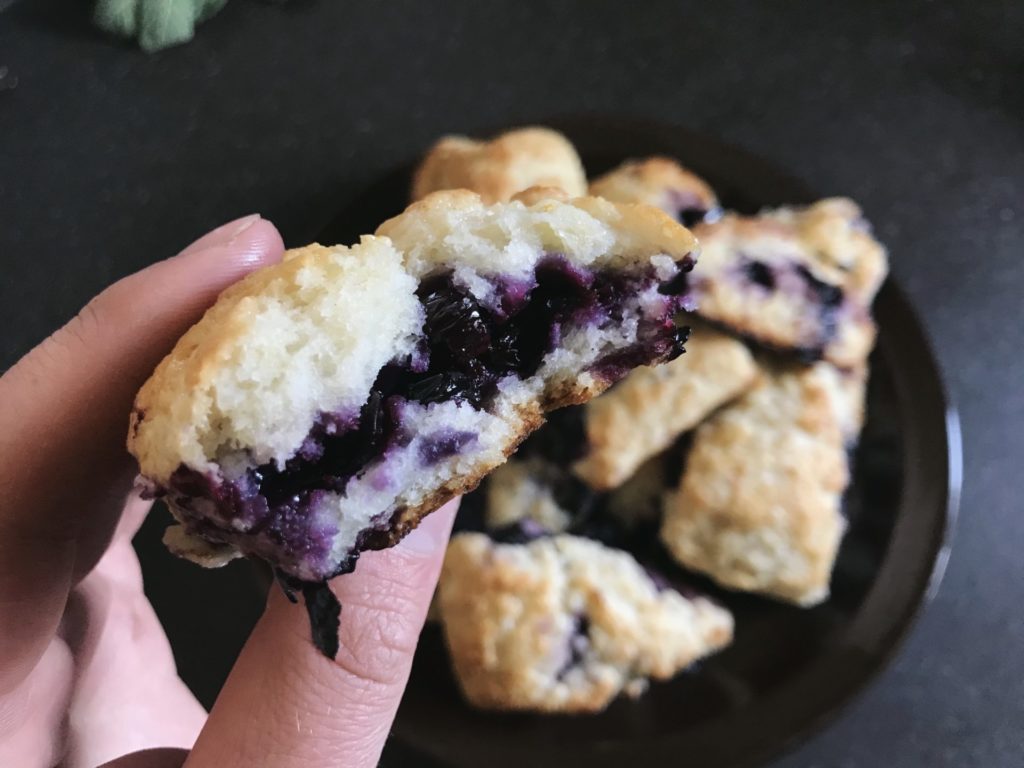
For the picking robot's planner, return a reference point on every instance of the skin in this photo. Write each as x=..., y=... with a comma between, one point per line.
x=87, y=676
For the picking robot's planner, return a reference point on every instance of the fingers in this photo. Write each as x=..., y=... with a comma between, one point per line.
x=63, y=417
x=285, y=705
x=107, y=684
x=127, y=694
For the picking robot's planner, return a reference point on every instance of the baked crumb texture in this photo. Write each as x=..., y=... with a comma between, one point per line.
x=759, y=505
x=794, y=280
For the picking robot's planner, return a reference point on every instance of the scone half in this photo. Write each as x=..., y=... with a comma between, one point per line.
x=325, y=404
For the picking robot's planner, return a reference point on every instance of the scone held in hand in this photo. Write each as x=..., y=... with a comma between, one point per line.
x=325, y=404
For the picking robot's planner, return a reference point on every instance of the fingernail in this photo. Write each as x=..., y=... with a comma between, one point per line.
x=222, y=235
x=431, y=535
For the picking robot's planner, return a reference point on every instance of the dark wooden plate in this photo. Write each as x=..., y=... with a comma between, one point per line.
x=789, y=670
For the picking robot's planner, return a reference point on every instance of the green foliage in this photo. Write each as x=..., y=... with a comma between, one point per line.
x=156, y=24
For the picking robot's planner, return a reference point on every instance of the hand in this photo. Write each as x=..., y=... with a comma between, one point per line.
x=86, y=673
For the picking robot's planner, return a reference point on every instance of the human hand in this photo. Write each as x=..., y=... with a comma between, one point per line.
x=86, y=673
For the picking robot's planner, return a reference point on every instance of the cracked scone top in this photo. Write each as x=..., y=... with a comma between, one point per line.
x=663, y=183
x=565, y=624
x=794, y=279
x=500, y=168
x=325, y=404
x=651, y=407
x=759, y=505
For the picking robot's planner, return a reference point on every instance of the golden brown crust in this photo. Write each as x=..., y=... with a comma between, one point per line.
x=564, y=624
x=652, y=406
x=502, y=167
x=535, y=194
x=828, y=241
x=657, y=181
x=758, y=507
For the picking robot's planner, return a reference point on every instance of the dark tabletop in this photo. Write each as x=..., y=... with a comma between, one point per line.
x=111, y=159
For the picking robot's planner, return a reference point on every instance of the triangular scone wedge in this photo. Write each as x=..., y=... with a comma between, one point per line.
x=565, y=624
x=759, y=507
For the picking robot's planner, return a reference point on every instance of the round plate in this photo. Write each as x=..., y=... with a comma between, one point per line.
x=789, y=670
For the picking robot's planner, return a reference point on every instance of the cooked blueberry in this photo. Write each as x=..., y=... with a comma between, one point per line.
x=661, y=342
x=675, y=286
x=441, y=387
x=690, y=217
x=678, y=341
x=760, y=274
x=827, y=294
x=579, y=644
x=454, y=319
x=520, y=532
x=505, y=352
x=441, y=445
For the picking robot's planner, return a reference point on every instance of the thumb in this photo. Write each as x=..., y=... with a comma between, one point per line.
x=64, y=471
x=286, y=705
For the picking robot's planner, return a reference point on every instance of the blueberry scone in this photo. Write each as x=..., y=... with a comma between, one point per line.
x=663, y=183
x=565, y=624
x=646, y=411
x=325, y=404
x=759, y=506
x=498, y=169
x=794, y=279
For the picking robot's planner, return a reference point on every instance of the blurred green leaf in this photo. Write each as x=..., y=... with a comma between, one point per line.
x=156, y=24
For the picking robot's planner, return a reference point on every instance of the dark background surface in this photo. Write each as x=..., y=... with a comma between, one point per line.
x=111, y=159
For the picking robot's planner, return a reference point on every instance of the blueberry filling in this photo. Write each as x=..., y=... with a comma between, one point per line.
x=324, y=613
x=690, y=217
x=441, y=445
x=661, y=584
x=578, y=645
x=666, y=344
x=828, y=295
x=467, y=349
x=760, y=274
x=520, y=532
x=690, y=209
x=824, y=300
x=676, y=286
